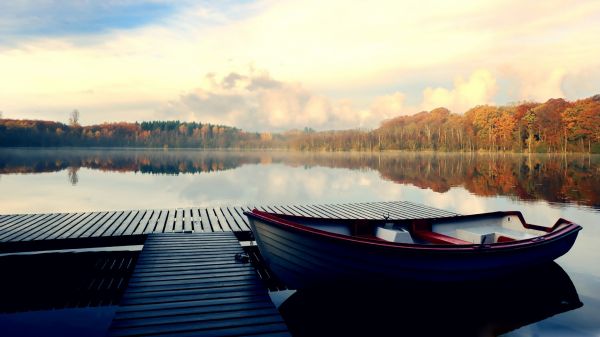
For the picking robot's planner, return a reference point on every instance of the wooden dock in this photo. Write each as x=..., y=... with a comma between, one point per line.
x=192, y=285
x=187, y=281
x=89, y=229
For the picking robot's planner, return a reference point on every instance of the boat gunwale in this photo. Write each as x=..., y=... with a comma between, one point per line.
x=553, y=234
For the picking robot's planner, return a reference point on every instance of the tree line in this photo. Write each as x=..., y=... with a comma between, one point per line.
x=557, y=125
x=145, y=134
x=554, y=126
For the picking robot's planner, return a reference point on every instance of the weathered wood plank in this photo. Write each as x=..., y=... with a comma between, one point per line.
x=187, y=220
x=134, y=223
x=76, y=232
x=374, y=211
x=72, y=226
x=43, y=233
x=206, y=224
x=161, y=222
x=290, y=210
x=239, y=217
x=170, y=223
x=178, y=221
x=24, y=222
x=332, y=212
x=214, y=221
x=34, y=226
x=206, y=291
x=122, y=227
x=224, y=305
x=112, y=226
x=30, y=234
x=223, y=213
x=152, y=222
x=101, y=225
x=141, y=226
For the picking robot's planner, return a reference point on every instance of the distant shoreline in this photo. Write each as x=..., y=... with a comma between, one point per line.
x=238, y=149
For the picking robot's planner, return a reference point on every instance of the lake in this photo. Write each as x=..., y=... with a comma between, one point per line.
x=543, y=187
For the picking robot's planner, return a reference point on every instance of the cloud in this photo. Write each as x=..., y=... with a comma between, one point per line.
x=388, y=106
x=376, y=59
x=253, y=100
x=541, y=86
x=478, y=89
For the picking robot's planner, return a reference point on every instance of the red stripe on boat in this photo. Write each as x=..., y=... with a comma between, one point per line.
x=503, y=238
x=439, y=238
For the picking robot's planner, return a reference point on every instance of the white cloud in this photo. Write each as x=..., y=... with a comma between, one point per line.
x=479, y=88
x=253, y=100
x=539, y=86
x=389, y=106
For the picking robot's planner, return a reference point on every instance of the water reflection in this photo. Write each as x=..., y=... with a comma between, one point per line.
x=553, y=178
x=73, y=177
x=408, y=309
x=62, y=294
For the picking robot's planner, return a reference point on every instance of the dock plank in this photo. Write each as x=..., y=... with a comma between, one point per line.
x=76, y=232
x=134, y=223
x=152, y=222
x=214, y=221
x=101, y=225
x=16, y=233
x=23, y=228
x=141, y=226
x=187, y=220
x=238, y=214
x=113, y=225
x=178, y=221
x=76, y=223
x=223, y=212
x=122, y=226
x=23, y=222
x=170, y=223
x=210, y=295
x=31, y=233
x=160, y=223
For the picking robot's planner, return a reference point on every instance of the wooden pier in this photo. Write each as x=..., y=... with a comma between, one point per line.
x=192, y=285
x=20, y=232
x=187, y=281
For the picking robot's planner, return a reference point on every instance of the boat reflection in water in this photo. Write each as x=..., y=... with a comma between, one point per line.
x=488, y=308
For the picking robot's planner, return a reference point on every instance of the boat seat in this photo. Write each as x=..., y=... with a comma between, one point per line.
x=483, y=235
x=422, y=231
x=392, y=234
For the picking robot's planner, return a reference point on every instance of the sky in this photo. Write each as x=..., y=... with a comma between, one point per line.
x=278, y=65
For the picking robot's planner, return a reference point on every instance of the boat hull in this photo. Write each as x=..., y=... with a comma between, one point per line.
x=304, y=259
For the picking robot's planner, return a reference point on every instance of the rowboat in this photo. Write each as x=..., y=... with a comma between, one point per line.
x=306, y=252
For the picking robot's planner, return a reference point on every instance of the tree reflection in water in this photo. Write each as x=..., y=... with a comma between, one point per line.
x=72, y=172
x=553, y=178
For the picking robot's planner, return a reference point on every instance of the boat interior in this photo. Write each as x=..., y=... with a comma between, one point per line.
x=487, y=228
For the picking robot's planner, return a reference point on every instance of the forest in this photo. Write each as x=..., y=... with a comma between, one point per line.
x=555, y=126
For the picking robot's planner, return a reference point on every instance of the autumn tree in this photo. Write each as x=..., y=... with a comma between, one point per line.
x=523, y=130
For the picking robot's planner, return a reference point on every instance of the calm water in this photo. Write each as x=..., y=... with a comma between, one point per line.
x=543, y=187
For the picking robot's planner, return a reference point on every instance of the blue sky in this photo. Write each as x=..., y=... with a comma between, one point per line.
x=57, y=18
x=336, y=64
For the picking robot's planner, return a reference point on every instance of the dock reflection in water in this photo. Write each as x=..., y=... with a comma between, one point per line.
x=488, y=308
x=62, y=293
